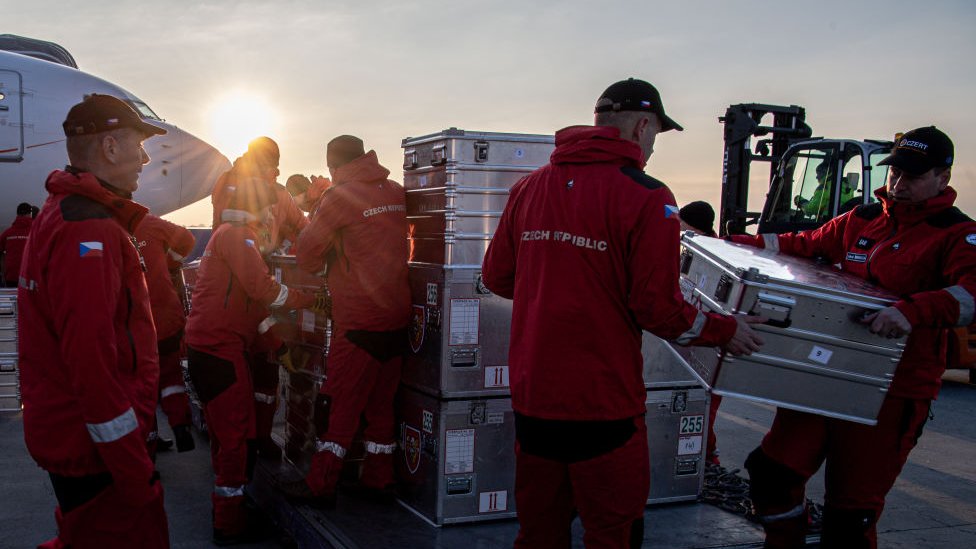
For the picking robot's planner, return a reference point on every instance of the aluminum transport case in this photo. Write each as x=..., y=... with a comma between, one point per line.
x=455, y=461
x=457, y=184
x=459, y=334
x=817, y=357
x=9, y=375
x=677, y=422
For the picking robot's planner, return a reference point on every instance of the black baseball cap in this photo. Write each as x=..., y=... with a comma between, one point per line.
x=920, y=150
x=101, y=113
x=635, y=95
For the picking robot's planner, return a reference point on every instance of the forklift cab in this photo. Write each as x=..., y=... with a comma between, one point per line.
x=820, y=179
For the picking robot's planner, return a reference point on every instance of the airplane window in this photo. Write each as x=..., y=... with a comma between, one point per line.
x=144, y=110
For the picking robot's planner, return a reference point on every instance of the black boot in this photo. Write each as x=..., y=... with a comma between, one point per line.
x=184, y=438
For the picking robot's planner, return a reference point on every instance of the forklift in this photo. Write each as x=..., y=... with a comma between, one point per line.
x=811, y=180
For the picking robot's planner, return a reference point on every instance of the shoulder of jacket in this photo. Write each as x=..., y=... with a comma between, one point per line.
x=947, y=218
x=638, y=176
x=869, y=211
x=75, y=207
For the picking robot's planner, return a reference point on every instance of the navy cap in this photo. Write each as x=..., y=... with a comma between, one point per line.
x=920, y=150
x=635, y=95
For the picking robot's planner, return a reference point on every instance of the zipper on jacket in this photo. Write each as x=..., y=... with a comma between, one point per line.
x=867, y=264
x=128, y=328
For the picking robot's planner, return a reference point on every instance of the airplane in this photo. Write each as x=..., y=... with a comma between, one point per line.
x=39, y=83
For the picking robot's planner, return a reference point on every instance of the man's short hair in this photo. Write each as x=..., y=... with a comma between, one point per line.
x=297, y=184
x=343, y=150
x=23, y=208
x=81, y=148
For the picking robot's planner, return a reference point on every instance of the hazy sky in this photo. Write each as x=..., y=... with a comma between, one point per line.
x=306, y=71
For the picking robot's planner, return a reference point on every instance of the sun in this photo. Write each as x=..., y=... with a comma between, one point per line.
x=237, y=118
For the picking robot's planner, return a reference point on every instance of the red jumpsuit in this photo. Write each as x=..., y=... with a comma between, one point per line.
x=12, y=242
x=88, y=366
x=233, y=292
x=927, y=254
x=587, y=248
x=361, y=225
x=163, y=244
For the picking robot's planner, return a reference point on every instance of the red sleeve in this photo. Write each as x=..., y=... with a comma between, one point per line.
x=655, y=296
x=825, y=241
x=85, y=285
x=954, y=304
x=498, y=266
x=315, y=242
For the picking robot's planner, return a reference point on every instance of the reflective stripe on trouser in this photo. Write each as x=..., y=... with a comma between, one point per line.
x=264, y=374
x=230, y=423
x=359, y=385
x=609, y=491
x=172, y=394
x=863, y=461
x=108, y=521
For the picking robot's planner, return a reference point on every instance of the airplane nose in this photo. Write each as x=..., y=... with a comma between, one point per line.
x=184, y=169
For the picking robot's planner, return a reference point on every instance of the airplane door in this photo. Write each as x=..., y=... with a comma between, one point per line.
x=11, y=118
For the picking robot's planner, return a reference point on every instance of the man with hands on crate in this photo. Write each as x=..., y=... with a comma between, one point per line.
x=587, y=248
x=234, y=292
x=916, y=244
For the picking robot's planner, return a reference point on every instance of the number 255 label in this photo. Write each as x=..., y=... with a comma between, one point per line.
x=692, y=425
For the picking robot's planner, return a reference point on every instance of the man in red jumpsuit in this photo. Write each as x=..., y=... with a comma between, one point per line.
x=12, y=242
x=281, y=230
x=233, y=293
x=360, y=231
x=915, y=243
x=89, y=369
x=163, y=245
x=587, y=248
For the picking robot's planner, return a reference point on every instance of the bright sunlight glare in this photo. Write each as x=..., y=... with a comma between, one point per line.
x=237, y=118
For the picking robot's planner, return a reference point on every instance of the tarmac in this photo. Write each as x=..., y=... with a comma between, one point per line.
x=933, y=503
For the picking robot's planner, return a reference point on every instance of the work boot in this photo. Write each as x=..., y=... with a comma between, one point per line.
x=184, y=438
x=163, y=444
x=299, y=492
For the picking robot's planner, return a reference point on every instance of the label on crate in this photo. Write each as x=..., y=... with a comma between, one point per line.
x=494, y=418
x=431, y=293
x=820, y=355
x=411, y=448
x=428, y=423
x=417, y=327
x=496, y=376
x=459, y=451
x=689, y=445
x=465, y=315
x=277, y=275
x=308, y=320
x=692, y=425
x=493, y=502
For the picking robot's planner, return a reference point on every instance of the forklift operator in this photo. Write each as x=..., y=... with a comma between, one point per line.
x=915, y=243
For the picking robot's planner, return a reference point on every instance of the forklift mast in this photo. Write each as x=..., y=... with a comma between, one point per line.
x=742, y=122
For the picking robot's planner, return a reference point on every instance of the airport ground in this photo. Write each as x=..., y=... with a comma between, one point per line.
x=933, y=504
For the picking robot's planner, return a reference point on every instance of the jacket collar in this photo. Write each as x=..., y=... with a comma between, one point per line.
x=913, y=213
x=589, y=144
x=71, y=180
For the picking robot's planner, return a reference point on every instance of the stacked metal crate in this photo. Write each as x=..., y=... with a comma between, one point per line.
x=9, y=376
x=457, y=432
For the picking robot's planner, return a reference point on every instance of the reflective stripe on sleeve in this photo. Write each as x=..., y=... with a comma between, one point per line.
x=327, y=446
x=229, y=491
x=967, y=306
x=267, y=399
x=114, y=429
x=282, y=297
x=794, y=512
x=771, y=241
x=377, y=448
x=694, y=331
x=172, y=390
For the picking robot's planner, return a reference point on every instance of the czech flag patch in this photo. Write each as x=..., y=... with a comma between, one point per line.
x=249, y=242
x=670, y=211
x=90, y=249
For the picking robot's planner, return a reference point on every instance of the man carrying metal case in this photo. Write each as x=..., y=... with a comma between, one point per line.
x=360, y=230
x=163, y=246
x=89, y=369
x=232, y=294
x=915, y=243
x=588, y=249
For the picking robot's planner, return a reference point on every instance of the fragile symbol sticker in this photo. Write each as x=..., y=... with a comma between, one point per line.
x=465, y=315
x=820, y=355
x=308, y=320
x=492, y=502
x=459, y=451
x=689, y=445
x=496, y=376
